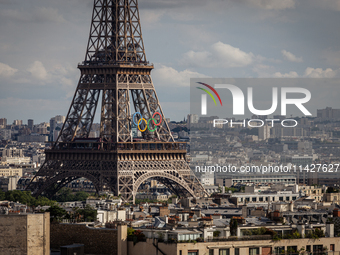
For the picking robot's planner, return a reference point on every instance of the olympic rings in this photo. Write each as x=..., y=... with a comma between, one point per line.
x=146, y=126
x=147, y=123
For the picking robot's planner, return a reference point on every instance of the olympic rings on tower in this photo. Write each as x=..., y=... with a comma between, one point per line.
x=147, y=123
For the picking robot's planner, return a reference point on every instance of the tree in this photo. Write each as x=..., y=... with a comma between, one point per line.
x=88, y=213
x=296, y=235
x=230, y=189
x=65, y=195
x=81, y=196
x=216, y=233
x=259, y=231
x=233, y=227
x=332, y=190
x=2, y=195
x=25, y=197
x=43, y=201
x=130, y=232
x=57, y=212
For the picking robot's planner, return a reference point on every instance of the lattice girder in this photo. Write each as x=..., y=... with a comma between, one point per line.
x=116, y=72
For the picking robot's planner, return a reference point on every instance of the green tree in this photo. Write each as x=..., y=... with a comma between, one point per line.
x=81, y=196
x=65, y=195
x=259, y=231
x=130, y=232
x=43, y=201
x=247, y=232
x=25, y=197
x=2, y=195
x=233, y=226
x=88, y=213
x=230, y=189
x=296, y=235
x=216, y=233
x=332, y=190
x=56, y=212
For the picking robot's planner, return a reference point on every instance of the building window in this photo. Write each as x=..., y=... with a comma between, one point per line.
x=292, y=250
x=331, y=247
x=224, y=252
x=180, y=252
x=281, y=198
x=193, y=252
x=280, y=250
x=260, y=198
x=211, y=252
x=287, y=198
x=254, y=251
x=317, y=249
x=237, y=251
x=253, y=199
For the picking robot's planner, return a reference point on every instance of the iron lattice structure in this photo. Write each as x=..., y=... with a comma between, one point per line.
x=115, y=72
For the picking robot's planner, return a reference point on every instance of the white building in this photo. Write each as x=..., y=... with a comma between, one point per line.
x=8, y=171
x=264, y=132
x=207, y=178
x=6, y=134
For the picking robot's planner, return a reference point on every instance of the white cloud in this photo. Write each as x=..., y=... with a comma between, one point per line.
x=38, y=15
x=7, y=71
x=320, y=73
x=273, y=4
x=176, y=4
x=291, y=57
x=333, y=5
x=168, y=76
x=43, y=14
x=265, y=71
x=38, y=70
x=291, y=74
x=219, y=55
x=151, y=18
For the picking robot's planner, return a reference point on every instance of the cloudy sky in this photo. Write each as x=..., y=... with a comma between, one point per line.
x=42, y=41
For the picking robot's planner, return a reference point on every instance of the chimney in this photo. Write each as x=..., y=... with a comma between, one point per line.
x=244, y=211
x=291, y=207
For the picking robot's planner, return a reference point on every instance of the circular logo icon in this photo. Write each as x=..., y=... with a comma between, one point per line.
x=147, y=123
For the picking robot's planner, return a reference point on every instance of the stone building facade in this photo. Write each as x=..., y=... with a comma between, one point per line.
x=25, y=234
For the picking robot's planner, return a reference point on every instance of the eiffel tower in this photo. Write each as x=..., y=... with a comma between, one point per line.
x=115, y=74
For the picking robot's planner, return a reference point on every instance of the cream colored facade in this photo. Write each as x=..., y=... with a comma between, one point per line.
x=263, y=247
x=10, y=172
x=25, y=234
x=16, y=160
x=159, y=197
x=331, y=197
x=313, y=192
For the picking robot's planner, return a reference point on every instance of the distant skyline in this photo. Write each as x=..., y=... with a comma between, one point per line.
x=42, y=41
